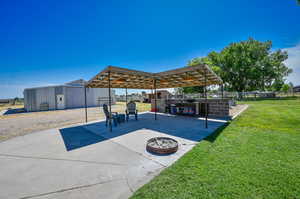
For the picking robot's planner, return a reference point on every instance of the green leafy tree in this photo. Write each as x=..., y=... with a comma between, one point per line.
x=193, y=89
x=15, y=101
x=178, y=91
x=196, y=61
x=248, y=65
x=277, y=85
x=285, y=88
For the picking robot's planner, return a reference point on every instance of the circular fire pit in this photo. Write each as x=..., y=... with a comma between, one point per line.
x=162, y=145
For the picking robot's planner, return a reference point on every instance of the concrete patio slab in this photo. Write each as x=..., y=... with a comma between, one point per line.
x=110, y=189
x=88, y=161
x=134, y=134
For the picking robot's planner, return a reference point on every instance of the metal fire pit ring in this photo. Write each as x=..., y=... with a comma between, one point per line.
x=162, y=145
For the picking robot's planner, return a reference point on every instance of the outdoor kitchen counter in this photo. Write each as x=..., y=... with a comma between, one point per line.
x=216, y=107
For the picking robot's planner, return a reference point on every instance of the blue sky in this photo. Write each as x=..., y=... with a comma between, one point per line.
x=53, y=42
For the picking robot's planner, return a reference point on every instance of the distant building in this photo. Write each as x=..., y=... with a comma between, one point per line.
x=4, y=101
x=161, y=94
x=296, y=89
x=69, y=95
x=144, y=97
x=130, y=97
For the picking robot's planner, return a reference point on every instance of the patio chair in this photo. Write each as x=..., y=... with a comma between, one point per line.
x=114, y=115
x=131, y=110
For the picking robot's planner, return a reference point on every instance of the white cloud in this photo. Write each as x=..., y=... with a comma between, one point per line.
x=294, y=62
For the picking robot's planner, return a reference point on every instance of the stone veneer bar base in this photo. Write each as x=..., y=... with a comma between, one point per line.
x=217, y=107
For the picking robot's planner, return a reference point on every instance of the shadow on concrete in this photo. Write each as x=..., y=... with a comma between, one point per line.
x=77, y=137
x=189, y=128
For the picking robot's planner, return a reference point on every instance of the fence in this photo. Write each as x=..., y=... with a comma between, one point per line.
x=217, y=94
x=237, y=95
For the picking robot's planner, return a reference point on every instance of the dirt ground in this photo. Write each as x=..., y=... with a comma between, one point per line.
x=13, y=125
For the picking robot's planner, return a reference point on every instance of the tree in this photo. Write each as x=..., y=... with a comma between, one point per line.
x=15, y=101
x=291, y=88
x=248, y=65
x=196, y=61
x=285, y=88
x=193, y=89
x=291, y=85
x=178, y=91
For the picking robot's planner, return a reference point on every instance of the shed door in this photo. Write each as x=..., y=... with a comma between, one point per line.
x=60, y=100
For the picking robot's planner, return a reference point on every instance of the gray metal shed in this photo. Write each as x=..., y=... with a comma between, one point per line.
x=69, y=95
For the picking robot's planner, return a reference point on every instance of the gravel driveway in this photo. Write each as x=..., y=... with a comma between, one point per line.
x=23, y=123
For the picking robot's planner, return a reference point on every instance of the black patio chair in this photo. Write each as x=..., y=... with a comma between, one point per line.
x=114, y=115
x=131, y=110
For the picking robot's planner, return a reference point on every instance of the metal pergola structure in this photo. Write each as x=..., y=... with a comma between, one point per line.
x=116, y=77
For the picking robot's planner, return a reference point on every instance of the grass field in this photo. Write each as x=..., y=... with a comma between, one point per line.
x=255, y=156
x=141, y=107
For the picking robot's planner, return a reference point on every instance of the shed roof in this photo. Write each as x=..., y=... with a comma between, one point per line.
x=181, y=77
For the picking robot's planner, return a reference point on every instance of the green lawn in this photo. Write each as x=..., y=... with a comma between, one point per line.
x=255, y=156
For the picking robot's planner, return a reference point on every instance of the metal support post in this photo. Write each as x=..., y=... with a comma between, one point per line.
x=85, y=105
x=126, y=96
x=206, y=102
x=155, y=100
x=222, y=90
x=109, y=102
